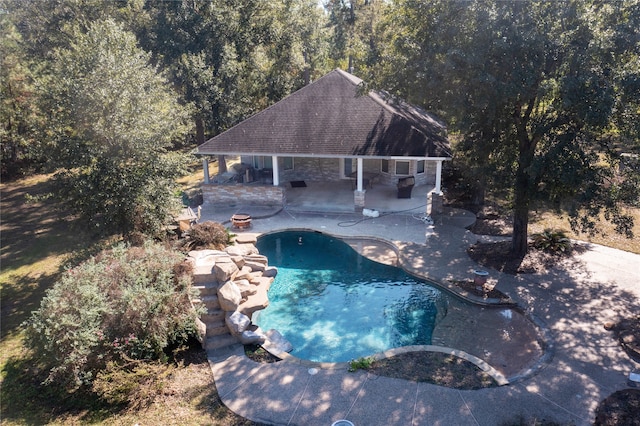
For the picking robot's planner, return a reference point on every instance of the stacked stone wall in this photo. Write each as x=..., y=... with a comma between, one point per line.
x=235, y=194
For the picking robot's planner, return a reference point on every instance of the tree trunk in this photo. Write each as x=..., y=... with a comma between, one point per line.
x=222, y=164
x=519, y=239
x=199, y=131
x=306, y=73
x=479, y=193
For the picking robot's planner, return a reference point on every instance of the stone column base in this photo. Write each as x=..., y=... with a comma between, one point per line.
x=358, y=199
x=435, y=206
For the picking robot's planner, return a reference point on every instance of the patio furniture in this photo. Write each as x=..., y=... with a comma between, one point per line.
x=405, y=186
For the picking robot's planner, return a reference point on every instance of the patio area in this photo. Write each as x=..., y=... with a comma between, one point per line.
x=338, y=197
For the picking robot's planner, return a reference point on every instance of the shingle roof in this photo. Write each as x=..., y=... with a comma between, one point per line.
x=329, y=117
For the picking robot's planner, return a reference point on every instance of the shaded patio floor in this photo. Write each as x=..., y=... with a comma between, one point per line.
x=339, y=197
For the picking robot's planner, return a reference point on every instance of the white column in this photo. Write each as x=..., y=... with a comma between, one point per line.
x=360, y=174
x=205, y=168
x=438, y=189
x=276, y=172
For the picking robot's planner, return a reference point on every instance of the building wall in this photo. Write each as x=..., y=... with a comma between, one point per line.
x=234, y=194
x=329, y=169
x=312, y=169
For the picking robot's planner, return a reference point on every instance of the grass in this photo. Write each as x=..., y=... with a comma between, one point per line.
x=543, y=218
x=38, y=240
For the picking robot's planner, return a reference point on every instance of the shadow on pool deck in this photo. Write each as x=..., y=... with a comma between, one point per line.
x=572, y=301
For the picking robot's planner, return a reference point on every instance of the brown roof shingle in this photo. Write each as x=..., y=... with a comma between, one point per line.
x=330, y=118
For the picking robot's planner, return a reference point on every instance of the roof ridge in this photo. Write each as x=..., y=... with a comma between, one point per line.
x=340, y=72
x=356, y=81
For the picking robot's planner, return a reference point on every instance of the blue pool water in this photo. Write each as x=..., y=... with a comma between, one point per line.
x=335, y=305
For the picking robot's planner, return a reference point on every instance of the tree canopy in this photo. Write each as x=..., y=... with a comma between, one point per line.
x=540, y=93
x=112, y=135
x=534, y=88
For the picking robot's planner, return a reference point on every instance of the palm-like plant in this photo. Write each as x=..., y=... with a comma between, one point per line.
x=552, y=241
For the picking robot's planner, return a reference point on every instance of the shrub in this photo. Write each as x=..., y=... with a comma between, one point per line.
x=126, y=303
x=552, y=241
x=208, y=235
x=362, y=363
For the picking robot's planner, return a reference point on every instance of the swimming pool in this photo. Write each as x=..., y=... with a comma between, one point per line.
x=335, y=305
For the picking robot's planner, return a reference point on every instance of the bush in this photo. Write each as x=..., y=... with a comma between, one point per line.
x=362, y=363
x=126, y=303
x=208, y=235
x=552, y=241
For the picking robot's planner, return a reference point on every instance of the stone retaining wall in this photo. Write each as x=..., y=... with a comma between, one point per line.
x=234, y=194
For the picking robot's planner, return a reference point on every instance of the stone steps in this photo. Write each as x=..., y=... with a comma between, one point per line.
x=207, y=288
x=217, y=329
x=213, y=316
x=202, y=274
x=220, y=341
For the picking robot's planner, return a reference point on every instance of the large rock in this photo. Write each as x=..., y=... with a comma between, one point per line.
x=241, y=250
x=225, y=271
x=246, y=239
x=257, y=258
x=201, y=254
x=255, y=266
x=276, y=343
x=229, y=296
x=237, y=322
x=238, y=260
x=249, y=337
x=270, y=271
x=244, y=273
x=246, y=288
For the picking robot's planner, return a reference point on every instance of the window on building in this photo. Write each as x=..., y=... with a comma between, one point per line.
x=402, y=167
x=347, y=167
x=420, y=166
x=384, y=166
x=262, y=162
x=287, y=163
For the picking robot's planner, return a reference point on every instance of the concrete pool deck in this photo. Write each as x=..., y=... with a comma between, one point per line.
x=572, y=301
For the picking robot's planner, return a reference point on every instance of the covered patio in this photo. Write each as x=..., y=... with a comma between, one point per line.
x=329, y=146
x=338, y=197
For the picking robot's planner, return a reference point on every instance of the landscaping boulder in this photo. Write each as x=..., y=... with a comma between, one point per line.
x=237, y=322
x=244, y=273
x=255, y=266
x=225, y=271
x=241, y=250
x=257, y=258
x=238, y=260
x=276, y=343
x=270, y=272
x=249, y=337
x=246, y=288
x=229, y=296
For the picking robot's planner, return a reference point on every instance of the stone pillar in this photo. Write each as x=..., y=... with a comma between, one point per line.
x=358, y=199
x=435, y=205
x=205, y=168
x=276, y=171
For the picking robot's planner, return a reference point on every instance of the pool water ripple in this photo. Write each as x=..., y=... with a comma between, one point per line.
x=334, y=305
